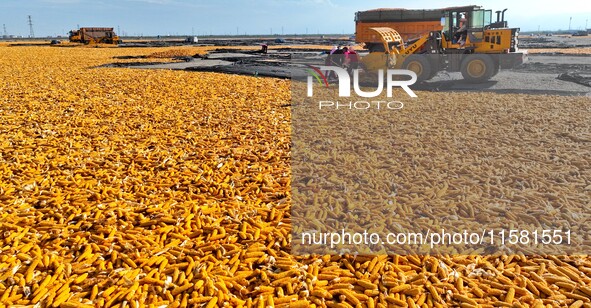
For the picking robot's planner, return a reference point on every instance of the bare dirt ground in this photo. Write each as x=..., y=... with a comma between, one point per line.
x=556, y=64
x=545, y=42
x=542, y=74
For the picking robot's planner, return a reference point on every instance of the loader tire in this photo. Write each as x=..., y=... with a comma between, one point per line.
x=477, y=68
x=420, y=65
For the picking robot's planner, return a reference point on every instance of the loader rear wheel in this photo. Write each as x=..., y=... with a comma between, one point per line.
x=420, y=65
x=477, y=68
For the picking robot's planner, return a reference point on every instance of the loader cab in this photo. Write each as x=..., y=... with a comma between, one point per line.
x=479, y=21
x=465, y=24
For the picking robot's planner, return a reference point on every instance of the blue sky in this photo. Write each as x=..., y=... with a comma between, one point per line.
x=163, y=17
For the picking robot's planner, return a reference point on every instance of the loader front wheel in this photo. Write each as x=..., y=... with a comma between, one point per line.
x=420, y=65
x=477, y=68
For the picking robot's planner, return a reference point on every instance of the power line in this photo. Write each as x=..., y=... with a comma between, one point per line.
x=32, y=34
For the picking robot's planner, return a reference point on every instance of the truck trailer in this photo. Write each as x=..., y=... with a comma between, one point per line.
x=93, y=35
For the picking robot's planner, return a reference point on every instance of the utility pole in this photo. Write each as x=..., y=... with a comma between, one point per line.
x=569, y=23
x=538, y=29
x=5, y=32
x=31, y=34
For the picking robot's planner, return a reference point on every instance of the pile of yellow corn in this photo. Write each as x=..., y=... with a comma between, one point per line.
x=179, y=52
x=568, y=51
x=134, y=188
x=479, y=162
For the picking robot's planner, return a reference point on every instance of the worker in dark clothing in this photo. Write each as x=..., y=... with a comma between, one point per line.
x=335, y=58
x=338, y=58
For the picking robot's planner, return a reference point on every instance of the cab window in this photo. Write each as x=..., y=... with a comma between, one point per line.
x=487, y=17
x=477, y=19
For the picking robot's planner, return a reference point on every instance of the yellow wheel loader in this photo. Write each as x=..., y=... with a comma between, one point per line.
x=477, y=49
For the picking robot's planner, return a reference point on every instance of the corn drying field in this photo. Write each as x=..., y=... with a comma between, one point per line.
x=154, y=188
